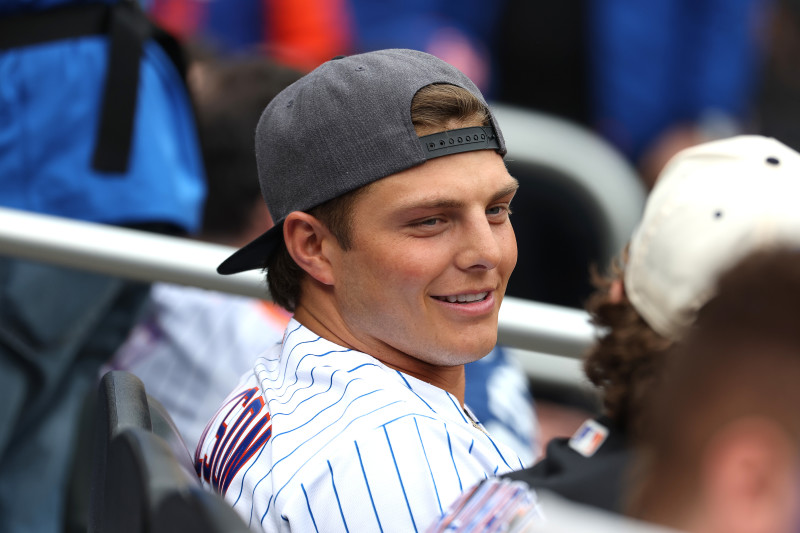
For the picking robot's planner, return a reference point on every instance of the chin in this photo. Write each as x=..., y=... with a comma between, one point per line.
x=455, y=360
x=480, y=345
x=470, y=354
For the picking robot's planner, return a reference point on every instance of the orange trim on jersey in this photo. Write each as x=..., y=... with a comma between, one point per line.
x=275, y=313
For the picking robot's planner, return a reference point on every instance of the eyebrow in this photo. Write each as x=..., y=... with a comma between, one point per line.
x=444, y=203
x=511, y=188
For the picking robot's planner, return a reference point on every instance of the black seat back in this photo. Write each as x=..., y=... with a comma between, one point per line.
x=150, y=491
x=143, y=477
x=121, y=403
x=165, y=427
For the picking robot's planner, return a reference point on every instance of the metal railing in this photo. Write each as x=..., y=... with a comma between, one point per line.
x=586, y=160
x=530, y=328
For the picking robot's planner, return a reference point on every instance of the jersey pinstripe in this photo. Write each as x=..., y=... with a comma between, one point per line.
x=322, y=438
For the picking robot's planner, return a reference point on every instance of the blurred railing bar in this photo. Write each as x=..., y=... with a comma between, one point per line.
x=143, y=256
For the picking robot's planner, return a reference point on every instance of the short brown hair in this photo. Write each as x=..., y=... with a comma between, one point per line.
x=434, y=108
x=284, y=275
x=442, y=107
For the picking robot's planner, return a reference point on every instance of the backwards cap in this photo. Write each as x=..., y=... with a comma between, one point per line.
x=712, y=205
x=344, y=125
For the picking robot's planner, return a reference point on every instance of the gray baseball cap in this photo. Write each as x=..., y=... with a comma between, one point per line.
x=344, y=125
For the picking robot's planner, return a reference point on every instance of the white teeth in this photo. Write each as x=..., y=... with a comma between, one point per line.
x=465, y=298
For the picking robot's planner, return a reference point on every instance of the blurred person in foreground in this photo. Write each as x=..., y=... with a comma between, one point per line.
x=722, y=450
x=712, y=205
x=392, y=246
x=96, y=125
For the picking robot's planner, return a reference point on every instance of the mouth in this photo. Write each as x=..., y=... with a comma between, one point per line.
x=463, y=298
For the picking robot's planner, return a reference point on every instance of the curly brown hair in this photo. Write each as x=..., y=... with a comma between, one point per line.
x=627, y=358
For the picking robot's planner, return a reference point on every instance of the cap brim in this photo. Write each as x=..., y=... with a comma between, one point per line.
x=253, y=255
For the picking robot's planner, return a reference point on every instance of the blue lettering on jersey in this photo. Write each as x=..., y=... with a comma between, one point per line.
x=238, y=438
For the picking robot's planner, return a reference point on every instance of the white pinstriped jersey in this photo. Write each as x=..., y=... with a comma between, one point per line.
x=323, y=438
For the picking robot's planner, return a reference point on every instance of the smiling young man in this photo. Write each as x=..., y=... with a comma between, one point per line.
x=393, y=246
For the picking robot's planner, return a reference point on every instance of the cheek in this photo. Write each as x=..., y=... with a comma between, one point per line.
x=508, y=243
x=409, y=265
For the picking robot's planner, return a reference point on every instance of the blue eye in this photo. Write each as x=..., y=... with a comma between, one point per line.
x=498, y=210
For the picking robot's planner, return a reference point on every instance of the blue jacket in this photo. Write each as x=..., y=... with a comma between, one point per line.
x=50, y=100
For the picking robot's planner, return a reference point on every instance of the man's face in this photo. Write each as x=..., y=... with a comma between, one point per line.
x=432, y=252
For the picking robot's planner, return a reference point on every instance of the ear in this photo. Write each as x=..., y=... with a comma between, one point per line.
x=751, y=477
x=616, y=291
x=308, y=241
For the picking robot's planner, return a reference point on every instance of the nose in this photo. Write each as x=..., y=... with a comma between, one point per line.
x=480, y=246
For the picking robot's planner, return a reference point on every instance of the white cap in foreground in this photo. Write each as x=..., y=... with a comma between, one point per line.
x=713, y=204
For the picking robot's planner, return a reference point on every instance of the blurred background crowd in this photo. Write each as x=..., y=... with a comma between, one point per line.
x=647, y=79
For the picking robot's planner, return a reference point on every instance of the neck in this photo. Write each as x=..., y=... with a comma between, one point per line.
x=328, y=324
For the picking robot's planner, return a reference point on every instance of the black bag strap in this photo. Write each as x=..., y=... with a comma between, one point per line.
x=57, y=23
x=128, y=28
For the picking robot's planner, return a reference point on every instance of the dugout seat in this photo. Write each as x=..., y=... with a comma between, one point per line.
x=150, y=491
x=143, y=477
x=163, y=426
x=121, y=403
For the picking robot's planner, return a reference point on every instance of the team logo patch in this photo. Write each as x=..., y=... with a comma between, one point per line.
x=589, y=437
x=243, y=432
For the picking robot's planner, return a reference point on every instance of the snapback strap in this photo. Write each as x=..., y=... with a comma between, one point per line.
x=460, y=140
